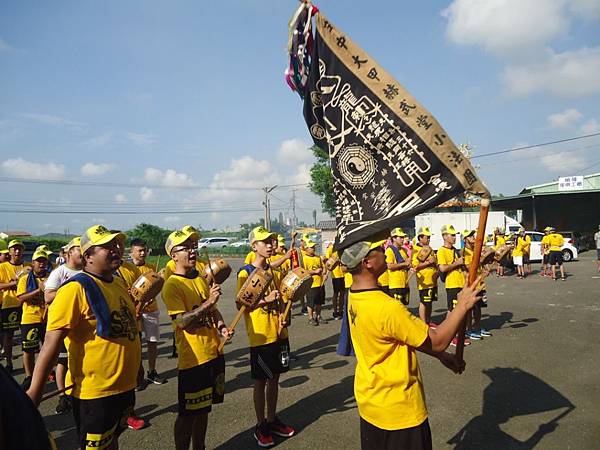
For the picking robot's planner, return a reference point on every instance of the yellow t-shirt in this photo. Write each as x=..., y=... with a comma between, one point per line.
x=427, y=277
x=32, y=312
x=499, y=241
x=182, y=294
x=170, y=268
x=99, y=367
x=527, y=244
x=384, y=279
x=262, y=323
x=387, y=385
x=284, y=268
x=555, y=242
x=337, y=272
x=545, y=244
x=129, y=272
x=468, y=255
x=397, y=278
x=8, y=272
x=250, y=257
x=455, y=278
x=519, y=248
x=347, y=280
x=314, y=263
x=152, y=307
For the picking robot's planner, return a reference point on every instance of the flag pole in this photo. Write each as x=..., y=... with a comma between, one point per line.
x=473, y=269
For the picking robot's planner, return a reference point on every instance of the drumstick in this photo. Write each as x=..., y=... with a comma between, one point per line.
x=55, y=393
x=231, y=327
x=286, y=311
x=277, y=286
x=212, y=274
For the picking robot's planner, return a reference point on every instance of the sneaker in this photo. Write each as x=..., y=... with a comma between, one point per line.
x=315, y=322
x=26, y=384
x=485, y=333
x=304, y=311
x=473, y=334
x=432, y=325
x=155, y=378
x=51, y=377
x=64, y=405
x=136, y=423
x=143, y=384
x=281, y=429
x=311, y=321
x=263, y=435
x=455, y=342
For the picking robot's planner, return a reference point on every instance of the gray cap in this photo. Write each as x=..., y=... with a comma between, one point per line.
x=354, y=254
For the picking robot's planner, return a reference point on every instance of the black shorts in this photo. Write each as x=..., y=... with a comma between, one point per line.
x=402, y=294
x=415, y=438
x=268, y=360
x=428, y=295
x=338, y=284
x=100, y=421
x=556, y=258
x=526, y=258
x=482, y=302
x=31, y=335
x=316, y=296
x=452, y=297
x=63, y=356
x=201, y=386
x=11, y=318
x=545, y=259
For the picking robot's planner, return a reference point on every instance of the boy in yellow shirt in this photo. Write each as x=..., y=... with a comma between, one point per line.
x=337, y=281
x=198, y=325
x=518, y=253
x=94, y=312
x=427, y=275
x=398, y=264
x=269, y=349
x=11, y=307
x=316, y=296
x=30, y=292
x=555, y=257
x=499, y=240
x=388, y=386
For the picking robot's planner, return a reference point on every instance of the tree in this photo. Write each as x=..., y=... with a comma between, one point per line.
x=154, y=236
x=321, y=182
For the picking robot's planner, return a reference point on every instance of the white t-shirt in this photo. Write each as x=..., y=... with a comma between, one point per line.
x=597, y=238
x=58, y=276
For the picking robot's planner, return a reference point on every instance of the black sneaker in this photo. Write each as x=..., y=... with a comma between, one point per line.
x=64, y=405
x=155, y=378
x=26, y=384
x=143, y=384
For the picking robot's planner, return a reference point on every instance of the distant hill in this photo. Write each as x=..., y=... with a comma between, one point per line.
x=59, y=236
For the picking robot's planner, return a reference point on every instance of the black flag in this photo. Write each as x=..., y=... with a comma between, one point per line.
x=390, y=158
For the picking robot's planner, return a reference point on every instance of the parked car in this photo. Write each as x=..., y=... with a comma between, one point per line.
x=240, y=243
x=569, y=251
x=574, y=238
x=213, y=242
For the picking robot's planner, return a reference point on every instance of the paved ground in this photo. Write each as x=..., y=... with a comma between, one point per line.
x=535, y=383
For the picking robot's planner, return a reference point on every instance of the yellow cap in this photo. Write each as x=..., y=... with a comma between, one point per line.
x=448, y=229
x=305, y=237
x=190, y=229
x=398, y=232
x=423, y=231
x=281, y=240
x=467, y=233
x=75, y=242
x=310, y=243
x=40, y=254
x=260, y=234
x=3, y=246
x=14, y=243
x=98, y=235
x=43, y=248
x=178, y=237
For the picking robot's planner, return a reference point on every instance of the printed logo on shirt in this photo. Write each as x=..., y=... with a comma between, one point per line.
x=122, y=322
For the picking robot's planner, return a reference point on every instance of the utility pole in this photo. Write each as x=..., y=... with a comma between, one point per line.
x=266, y=204
x=294, y=219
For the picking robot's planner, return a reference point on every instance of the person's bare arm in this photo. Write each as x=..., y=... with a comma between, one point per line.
x=189, y=320
x=49, y=295
x=45, y=363
x=278, y=262
x=11, y=285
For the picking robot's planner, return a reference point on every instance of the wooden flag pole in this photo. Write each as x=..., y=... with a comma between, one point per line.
x=473, y=269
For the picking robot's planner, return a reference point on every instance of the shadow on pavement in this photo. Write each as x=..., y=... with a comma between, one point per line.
x=512, y=392
x=335, y=398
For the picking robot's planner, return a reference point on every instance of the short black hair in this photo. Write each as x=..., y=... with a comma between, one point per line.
x=137, y=242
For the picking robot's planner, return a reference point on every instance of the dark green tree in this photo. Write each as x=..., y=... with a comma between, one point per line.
x=321, y=182
x=154, y=236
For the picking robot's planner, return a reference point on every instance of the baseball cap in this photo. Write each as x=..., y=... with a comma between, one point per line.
x=43, y=248
x=260, y=234
x=448, y=229
x=423, y=231
x=98, y=235
x=3, y=246
x=190, y=229
x=467, y=233
x=178, y=237
x=281, y=240
x=398, y=232
x=14, y=243
x=310, y=243
x=354, y=254
x=75, y=242
x=40, y=254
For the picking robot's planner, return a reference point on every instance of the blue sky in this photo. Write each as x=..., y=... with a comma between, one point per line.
x=186, y=100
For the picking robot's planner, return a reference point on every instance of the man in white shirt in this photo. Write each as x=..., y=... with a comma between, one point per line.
x=56, y=279
x=597, y=239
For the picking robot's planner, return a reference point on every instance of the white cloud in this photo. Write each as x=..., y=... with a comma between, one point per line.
x=507, y=28
x=294, y=151
x=169, y=178
x=146, y=194
x=563, y=162
x=564, y=119
x=55, y=121
x=21, y=168
x=100, y=140
x=588, y=9
x=140, y=139
x=120, y=198
x=590, y=127
x=247, y=172
x=171, y=219
x=4, y=47
x=92, y=169
x=568, y=74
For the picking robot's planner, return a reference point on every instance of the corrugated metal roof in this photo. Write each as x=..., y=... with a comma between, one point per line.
x=327, y=224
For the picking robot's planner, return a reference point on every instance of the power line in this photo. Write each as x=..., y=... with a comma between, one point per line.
x=175, y=212
x=510, y=150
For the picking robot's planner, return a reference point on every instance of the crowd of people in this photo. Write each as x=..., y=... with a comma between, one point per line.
x=83, y=312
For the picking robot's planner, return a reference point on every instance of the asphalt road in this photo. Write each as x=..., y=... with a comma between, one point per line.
x=534, y=384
